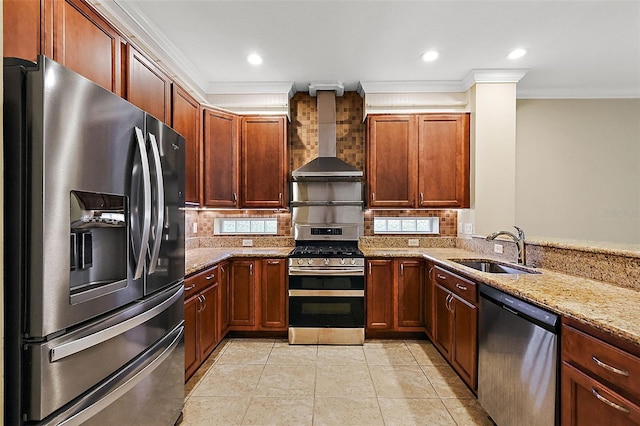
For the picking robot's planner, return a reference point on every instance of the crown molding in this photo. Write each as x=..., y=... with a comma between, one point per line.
x=245, y=88
x=126, y=16
x=633, y=93
x=423, y=86
x=492, y=76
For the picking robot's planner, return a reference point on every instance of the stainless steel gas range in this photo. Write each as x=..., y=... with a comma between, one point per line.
x=326, y=291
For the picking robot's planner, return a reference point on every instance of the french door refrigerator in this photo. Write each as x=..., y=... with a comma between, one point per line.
x=94, y=254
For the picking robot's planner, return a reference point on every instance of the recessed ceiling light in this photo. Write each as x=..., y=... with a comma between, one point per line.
x=516, y=54
x=254, y=59
x=429, y=56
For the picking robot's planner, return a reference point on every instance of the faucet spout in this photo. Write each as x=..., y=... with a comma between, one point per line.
x=518, y=239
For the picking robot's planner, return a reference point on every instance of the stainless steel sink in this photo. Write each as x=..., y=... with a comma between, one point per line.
x=493, y=267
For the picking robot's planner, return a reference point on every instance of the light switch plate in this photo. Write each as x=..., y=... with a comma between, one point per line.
x=413, y=242
x=468, y=228
x=497, y=248
x=195, y=227
x=247, y=243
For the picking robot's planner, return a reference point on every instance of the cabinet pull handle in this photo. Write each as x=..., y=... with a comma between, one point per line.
x=204, y=300
x=201, y=302
x=442, y=277
x=373, y=197
x=210, y=277
x=235, y=198
x=448, y=301
x=369, y=268
x=273, y=262
x=402, y=269
x=421, y=198
x=222, y=269
x=251, y=269
x=609, y=403
x=430, y=271
x=191, y=287
x=610, y=368
x=280, y=198
x=461, y=287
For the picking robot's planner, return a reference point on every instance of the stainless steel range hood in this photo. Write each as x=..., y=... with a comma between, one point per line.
x=327, y=165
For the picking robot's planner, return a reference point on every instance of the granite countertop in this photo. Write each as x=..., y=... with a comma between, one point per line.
x=601, y=305
x=198, y=259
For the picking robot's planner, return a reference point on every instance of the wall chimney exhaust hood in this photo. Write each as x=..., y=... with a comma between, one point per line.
x=326, y=165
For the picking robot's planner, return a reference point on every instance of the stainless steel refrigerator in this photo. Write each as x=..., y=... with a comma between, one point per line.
x=94, y=254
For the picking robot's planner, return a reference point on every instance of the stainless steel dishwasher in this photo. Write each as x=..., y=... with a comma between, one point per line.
x=517, y=360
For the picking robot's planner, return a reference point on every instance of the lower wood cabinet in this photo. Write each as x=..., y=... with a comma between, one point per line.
x=258, y=295
x=395, y=295
x=600, y=379
x=455, y=323
x=201, y=318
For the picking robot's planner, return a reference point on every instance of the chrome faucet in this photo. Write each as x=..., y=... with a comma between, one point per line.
x=519, y=240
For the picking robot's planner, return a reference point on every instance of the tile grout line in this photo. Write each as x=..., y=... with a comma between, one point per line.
x=253, y=393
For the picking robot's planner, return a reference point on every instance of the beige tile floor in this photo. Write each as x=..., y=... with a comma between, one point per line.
x=269, y=382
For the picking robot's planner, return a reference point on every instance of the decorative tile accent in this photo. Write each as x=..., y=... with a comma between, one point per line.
x=206, y=221
x=350, y=130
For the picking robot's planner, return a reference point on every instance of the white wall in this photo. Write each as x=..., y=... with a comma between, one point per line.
x=578, y=169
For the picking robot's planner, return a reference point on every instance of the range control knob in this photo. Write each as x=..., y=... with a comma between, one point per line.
x=300, y=261
x=326, y=261
x=310, y=261
x=353, y=261
x=342, y=261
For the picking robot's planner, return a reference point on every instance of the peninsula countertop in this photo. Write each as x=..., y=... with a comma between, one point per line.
x=602, y=305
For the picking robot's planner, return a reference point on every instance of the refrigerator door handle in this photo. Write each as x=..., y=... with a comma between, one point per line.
x=146, y=179
x=126, y=383
x=157, y=240
x=66, y=349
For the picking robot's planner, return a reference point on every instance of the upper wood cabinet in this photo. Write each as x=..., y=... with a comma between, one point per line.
x=185, y=119
x=23, y=26
x=392, y=160
x=264, y=161
x=418, y=161
x=220, y=159
x=443, y=160
x=86, y=43
x=147, y=87
x=68, y=31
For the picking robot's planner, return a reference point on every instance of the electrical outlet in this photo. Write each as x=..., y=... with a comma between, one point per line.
x=247, y=243
x=497, y=248
x=413, y=242
x=468, y=228
x=194, y=227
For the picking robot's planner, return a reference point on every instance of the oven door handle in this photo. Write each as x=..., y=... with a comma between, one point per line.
x=326, y=293
x=346, y=272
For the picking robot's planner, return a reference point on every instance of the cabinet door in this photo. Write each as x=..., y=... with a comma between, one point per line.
x=442, y=324
x=465, y=340
x=220, y=159
x=273, y=294
x=87, y=44
x=264, y=162
x=223, y=300
x=208, y=321
x=242, y=293
x=380, y=300
x=443, y=165
x=147, y=87
x=23, y=28
x=392, y=161
x=586, y=401
x=410, y=293
x=191, y=360
x=185, y=119
x=429, y=301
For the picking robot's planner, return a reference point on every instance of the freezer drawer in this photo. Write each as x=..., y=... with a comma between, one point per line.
x=147, y=392
x=60, y=370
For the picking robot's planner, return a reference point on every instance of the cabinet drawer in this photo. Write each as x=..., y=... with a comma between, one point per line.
x=458, y=285
x=615, y=366
x=199, y=281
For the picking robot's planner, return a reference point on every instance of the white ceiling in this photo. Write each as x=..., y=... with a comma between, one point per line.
x=574, y=48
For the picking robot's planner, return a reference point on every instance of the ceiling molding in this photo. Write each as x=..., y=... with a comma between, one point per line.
x=424, y=86
x=492, y=76
x=632, y=93
x=125, y=16
x=244, y=88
